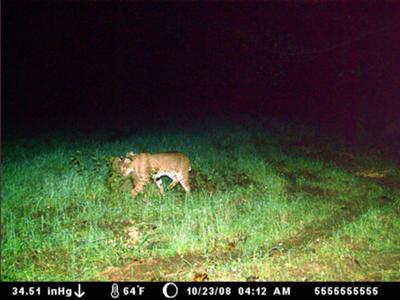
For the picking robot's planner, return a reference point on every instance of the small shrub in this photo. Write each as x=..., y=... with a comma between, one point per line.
x=115, y=182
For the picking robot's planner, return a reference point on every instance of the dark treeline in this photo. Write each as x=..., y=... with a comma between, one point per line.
x=334, y=65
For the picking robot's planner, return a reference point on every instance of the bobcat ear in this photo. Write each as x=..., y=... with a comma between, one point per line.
x=127, y=160
x=130, y=154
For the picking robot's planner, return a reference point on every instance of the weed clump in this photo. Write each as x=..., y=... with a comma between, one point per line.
x=221, y=179
x=115, y=182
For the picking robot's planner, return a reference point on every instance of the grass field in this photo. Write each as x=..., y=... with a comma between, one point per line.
x=268, y=203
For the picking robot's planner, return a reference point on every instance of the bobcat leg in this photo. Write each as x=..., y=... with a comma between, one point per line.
x=186, y=186
x=138, y=188
x=184, y=181
x=174, y=182
x=158, y=181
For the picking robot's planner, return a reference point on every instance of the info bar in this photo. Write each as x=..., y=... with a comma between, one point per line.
x=180, y=290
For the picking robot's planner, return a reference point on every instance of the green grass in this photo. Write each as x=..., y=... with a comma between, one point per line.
x=262, y=208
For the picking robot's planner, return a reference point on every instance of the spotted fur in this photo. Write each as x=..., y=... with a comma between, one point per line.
x=144, y=167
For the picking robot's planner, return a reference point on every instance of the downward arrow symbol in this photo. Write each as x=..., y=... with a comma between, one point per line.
x=79, y=294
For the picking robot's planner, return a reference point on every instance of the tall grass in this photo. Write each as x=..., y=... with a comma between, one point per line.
x=258, y=210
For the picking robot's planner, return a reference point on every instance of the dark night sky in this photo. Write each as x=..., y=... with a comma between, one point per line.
x=323, y=63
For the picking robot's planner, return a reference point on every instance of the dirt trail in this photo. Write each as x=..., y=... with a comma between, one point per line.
x=158, y=269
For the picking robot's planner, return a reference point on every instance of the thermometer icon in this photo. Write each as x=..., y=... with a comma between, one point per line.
x=114, y=291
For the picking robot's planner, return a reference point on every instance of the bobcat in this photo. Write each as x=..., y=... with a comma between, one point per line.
x=145, y=166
